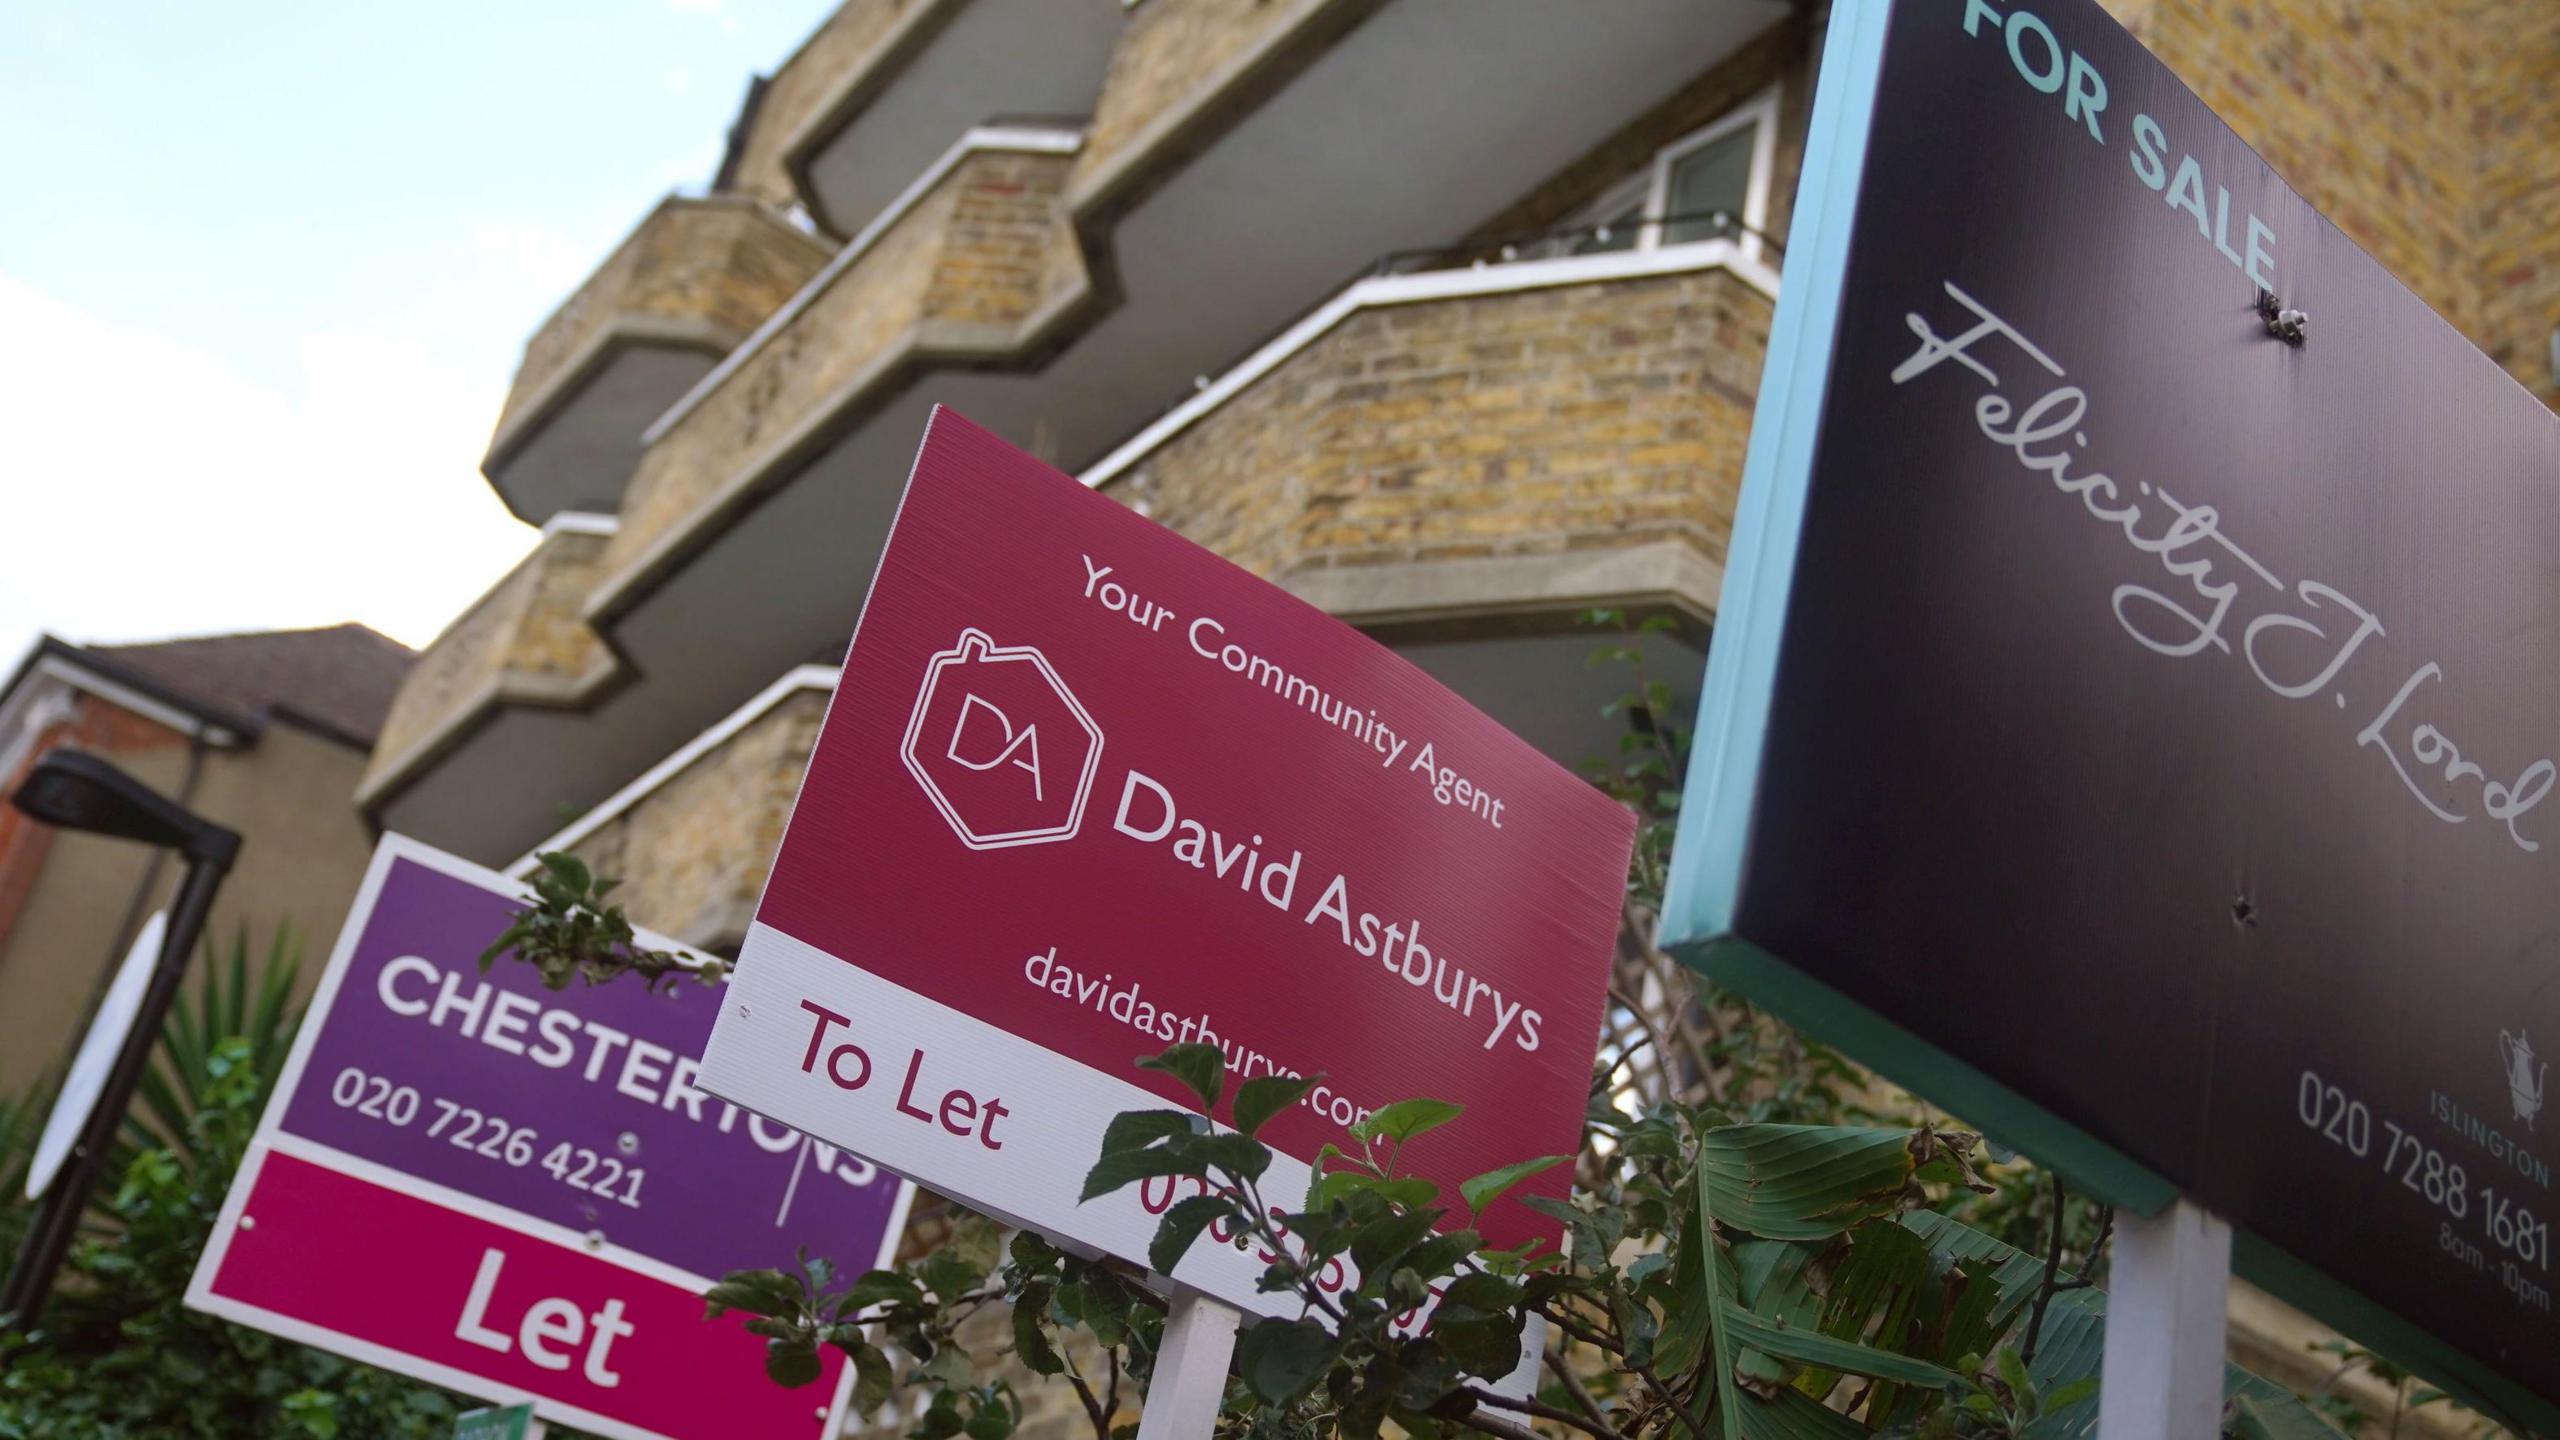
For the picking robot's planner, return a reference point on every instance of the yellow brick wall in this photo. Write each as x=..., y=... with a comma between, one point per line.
x=988, y=247
x=1176, y=61
x=526, y=626
x=844, y=43
x=700, y=844
x=2516, y=124
x=2428, y=130
x=1577, y=417
x=720, y=265
x=1001, y=244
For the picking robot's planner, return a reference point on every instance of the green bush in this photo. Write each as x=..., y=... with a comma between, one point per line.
x=118, y=1356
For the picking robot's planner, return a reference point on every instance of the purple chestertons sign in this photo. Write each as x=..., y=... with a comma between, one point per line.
x=574, y=1109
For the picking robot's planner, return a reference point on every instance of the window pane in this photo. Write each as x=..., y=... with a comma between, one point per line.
x=1618, y=232
x=1715, y=176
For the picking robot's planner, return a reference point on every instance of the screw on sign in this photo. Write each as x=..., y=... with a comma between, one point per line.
x=1001, y=745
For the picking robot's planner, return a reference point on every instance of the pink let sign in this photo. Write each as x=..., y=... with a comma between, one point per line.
x=490, y=1310
x=519, y=1193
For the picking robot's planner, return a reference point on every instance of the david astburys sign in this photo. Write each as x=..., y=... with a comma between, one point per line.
x=1087, y=790
x=521, y=1194
x=2129, y=728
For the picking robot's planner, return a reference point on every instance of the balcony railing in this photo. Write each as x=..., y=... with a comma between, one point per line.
x=1558, y=242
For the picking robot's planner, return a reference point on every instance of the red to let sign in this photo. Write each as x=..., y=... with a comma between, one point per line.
x=1085, y=790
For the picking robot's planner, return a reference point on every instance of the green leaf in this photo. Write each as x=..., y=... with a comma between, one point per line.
x=950, y=1368
x=949, y=1273
x=1030, y=1252
x=1874, y=1296
x=506, y=941
x=1812, y=1347
x=1441, y=1253
x=2013, y=1373
x=872, y=1380
x=1238, y=1154
x=1324, y=1190
x=754, y=1292
x=1412, y=1192
x=1258, y=1099
x=1487, y=1346
x=1489, y=1186
x=314, y=1411
x=878, y=1287
x=1716, y=1283
x=1409, y=1192
x=1137, y=1129
x=1480, y=1291
x=791, y=1363
x=2074, y=1337
x=1030, y=1342
x=1182, y=1225
x=1201, y=1068
x=941, y=1421
x=1282, y=1360
x=1376, y=1245
x=1426, y=1373
x=1804, y=1182
x=1111, y=1172
x=1405, y=1119
x=2072, y=1394
x=2263, y=1412
x=568, y=869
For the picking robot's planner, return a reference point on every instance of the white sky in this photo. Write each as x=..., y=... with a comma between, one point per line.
x=266, y=271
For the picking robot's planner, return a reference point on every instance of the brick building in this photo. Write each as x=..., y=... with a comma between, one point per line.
x=1447, y=315
x=262, y=732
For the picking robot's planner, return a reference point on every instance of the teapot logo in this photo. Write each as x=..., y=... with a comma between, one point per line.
x=2524, y=1074
x=1001, y=745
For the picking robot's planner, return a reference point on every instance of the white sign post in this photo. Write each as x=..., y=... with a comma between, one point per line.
x=1191, y=1369
x=2166, y=1301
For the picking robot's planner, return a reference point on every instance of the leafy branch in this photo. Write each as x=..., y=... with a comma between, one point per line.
x=571, y=931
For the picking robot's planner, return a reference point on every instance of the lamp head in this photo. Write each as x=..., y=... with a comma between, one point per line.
x=77, y=791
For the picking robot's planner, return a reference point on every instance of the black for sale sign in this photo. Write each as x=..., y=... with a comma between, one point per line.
x=2137, y=694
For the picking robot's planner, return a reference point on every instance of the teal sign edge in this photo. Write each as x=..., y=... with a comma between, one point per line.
x=1716, y=803
x=497, y=1422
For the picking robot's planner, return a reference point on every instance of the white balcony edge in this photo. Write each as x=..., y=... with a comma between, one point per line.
x=1381, y=290
x=799, y=678
x=580, y=522
x=1020, y=139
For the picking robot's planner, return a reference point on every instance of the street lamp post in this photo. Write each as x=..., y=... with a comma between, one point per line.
x=74, y=791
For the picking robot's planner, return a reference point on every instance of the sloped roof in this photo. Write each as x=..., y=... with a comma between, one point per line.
x=339, y=679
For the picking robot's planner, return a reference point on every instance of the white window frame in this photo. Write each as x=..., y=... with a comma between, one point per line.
x=1760, y=110
x=1653, y=183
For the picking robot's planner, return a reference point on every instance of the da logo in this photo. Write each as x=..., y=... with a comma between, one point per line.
x=1000, y=745
x=2524, y=1075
